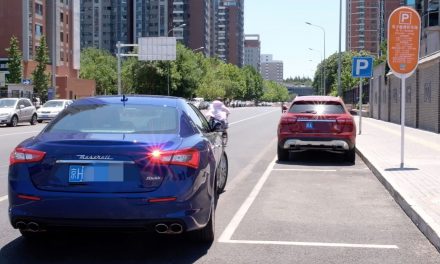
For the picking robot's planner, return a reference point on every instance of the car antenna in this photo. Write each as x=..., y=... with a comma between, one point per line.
x=124, y=99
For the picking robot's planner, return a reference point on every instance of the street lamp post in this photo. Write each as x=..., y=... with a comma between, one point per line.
x=339, y=54
x=322, y=70
x=168, y=77
x=323, y=31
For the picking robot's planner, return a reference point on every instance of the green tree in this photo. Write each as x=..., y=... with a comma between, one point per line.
x=40, y=77
x=275, y=92
x=101, y=66
x=14, y=61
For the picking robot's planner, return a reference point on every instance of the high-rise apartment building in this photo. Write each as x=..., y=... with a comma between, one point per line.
x=199, y=24
x=105, y=22
x=230, y=31
x=59, y=21
x=367, y=23
x=252, y=51
x=215, y=27
x=430, y=14
x=272, y=70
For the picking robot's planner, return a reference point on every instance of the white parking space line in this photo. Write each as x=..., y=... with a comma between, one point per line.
x=311, y=244
x=239, y=215
x=252, y=117
x=230, y=229
x=3, y=198
x=305, y=170
x=21, y=133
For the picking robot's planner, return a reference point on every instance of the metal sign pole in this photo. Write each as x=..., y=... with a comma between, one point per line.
x=118, y=45
x=402, y=121
x=360, y=106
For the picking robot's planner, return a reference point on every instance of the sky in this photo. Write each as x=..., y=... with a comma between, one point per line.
x=284, y=33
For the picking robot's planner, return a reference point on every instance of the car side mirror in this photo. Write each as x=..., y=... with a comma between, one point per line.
x=21, y=106
x=216, y=126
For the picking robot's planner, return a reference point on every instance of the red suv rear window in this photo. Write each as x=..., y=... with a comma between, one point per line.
x=320, y=108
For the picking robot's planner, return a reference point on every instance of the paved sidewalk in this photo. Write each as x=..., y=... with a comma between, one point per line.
x=416, y=187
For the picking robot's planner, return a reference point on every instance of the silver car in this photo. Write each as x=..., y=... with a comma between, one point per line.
x=16, y=110
x=51, y=109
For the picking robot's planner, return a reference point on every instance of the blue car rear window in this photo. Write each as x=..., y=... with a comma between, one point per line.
x=109, y=118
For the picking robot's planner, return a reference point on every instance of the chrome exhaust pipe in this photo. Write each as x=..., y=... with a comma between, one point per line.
x=33, y=227
x=176, y=228
x=20, y=225
x=161, y=228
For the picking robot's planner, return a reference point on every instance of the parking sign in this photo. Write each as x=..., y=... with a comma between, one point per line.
x=362, y=67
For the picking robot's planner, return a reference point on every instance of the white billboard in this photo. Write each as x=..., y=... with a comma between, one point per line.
x=157, y=48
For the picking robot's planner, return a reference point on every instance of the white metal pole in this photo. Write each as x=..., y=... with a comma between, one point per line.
x=325, y=90
x=118, y=45
x=339, y=50
x=360, y=106
x=402, y=121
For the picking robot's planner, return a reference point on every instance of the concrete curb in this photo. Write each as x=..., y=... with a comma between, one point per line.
x=423, y=221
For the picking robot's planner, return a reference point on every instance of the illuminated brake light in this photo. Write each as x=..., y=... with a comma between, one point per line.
x=23, y=155
x=184, y=157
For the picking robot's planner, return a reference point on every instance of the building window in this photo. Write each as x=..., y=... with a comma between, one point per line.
x=61, y=36
x=39, y=9
x=61, y=55
x=38, y=30
x=61, y=17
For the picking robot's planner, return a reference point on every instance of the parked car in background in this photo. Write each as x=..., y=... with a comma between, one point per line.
x=144, y=163
x=16, y=110
x=51, y=109
x=317, y=123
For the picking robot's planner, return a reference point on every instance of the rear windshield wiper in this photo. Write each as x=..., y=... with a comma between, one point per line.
x=309, y=112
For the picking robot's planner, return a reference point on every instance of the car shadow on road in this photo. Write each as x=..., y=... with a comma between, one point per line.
x=104, y=248
x=316, y=158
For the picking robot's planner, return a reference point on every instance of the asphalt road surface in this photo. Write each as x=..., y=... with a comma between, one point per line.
x=315, y=209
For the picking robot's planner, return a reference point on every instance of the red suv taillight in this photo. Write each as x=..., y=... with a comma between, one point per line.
x=287, y=124
x=184, y=157
x=344, y=124
x=23, y=155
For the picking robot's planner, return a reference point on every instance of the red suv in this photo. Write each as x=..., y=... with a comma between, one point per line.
x=318, y=123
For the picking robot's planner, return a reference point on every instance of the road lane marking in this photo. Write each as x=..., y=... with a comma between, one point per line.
x=252, y=117
x=305, y=170
x=311, y=244
x=3, y=198
x=239, y=215
x=21, y=133
x=230, y=229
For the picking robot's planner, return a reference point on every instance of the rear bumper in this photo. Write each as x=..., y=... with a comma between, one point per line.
x=341, y=144
x=108, y=212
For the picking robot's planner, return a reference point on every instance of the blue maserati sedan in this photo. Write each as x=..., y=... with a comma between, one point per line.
x=150, y=163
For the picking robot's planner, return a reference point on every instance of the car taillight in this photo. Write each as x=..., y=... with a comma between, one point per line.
x=345, y=124
x=287, y=124
x=23, y=155
x=287, y=120
x=184, y=157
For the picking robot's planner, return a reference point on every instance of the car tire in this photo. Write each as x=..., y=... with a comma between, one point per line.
x=14, y=121
x=222, y=174
x=33, y=120
x=40, y=121
x=350, y=155
x=207, y=233
x=283, y=154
